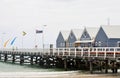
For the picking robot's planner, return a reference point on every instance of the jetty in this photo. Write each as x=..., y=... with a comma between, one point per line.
x=82, y=58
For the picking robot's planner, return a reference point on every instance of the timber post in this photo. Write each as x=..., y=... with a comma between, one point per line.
x=31, y=59
x=0, y=56
x=115, y=67
x=36, y=60
x=13, y=58
x=65, y=64
x=5, y=57
x=91, y=66
x=106, y=65
x=21, y=59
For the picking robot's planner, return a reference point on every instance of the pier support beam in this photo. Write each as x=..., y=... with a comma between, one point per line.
x=106, y=65
x=114, y=69
x=41, y=61
x=21, y=59
x=5, y=57
x=36, y=60
x=0, y=56
x=59, y=62
x=13, y=59
x=65, y=64
x=31, y=60
x=91, y=67
x=78, y=64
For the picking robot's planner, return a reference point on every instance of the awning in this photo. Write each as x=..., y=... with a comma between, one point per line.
x=85, y=41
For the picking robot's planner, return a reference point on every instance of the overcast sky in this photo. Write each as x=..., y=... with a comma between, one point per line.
x=28, y=15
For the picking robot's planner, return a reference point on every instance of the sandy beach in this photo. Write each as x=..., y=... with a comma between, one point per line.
x=70, y=74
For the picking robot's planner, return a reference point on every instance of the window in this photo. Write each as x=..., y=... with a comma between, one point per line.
x=118, y=44
x=98, y=43
x=71, y=36
x=70, y=44
x=61, y=44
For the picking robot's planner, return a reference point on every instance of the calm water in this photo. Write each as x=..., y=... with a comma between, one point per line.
x=8, y=70
x=8, y=67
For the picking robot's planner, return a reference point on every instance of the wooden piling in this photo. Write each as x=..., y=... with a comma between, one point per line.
x=106, y=65
x=59, y=62
x=75, y=63
x=78, y=64
x=65, y=64
x=5, y=57
x=116, y=70
x=0, y=56
x=36, y=60
x=21, y=59
x=91, y=66
x=41, y=61
x=31, y=59
x=13, y=58
x=114, y=67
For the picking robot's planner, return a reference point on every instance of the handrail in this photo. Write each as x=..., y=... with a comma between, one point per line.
x=105, y=52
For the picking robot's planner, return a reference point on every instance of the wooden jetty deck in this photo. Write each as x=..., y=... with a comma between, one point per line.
x=92, y=58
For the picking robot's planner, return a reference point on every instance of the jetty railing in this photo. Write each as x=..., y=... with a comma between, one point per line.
x=104, y=52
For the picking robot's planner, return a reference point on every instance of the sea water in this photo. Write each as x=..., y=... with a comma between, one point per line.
x=9, y=67
x=9, y=70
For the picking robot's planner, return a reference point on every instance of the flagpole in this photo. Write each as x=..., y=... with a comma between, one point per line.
x=22, y=42
x=43, y=37
x=35, y=41
x=43, y=40
x=23, y=34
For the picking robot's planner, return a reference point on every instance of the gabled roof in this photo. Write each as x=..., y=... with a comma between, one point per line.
x=77, y=33
x=92, y=31
x=65, y=34
x=112, y=31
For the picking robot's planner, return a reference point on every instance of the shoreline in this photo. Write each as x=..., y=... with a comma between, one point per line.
x=62, y=74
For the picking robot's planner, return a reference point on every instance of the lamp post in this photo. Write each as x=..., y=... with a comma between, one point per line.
x=43, y=37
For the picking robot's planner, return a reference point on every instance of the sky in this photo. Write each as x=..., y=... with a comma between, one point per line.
x=28, y=15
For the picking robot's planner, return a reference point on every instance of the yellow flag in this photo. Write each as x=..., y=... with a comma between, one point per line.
x=24, y=33
x=6, y=43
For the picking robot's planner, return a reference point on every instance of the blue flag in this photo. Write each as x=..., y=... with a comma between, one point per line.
x=13, y=41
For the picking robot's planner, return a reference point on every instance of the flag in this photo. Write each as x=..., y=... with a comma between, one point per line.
x=6, y=43
x=39, y=31
x=13, y=41
x=24, y=33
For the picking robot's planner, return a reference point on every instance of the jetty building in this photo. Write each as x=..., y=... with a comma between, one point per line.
x=103, y=36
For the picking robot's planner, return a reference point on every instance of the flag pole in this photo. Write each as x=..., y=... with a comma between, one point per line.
x=43, y=37
x=35, y=45
x=43, y=40
x=23, y=34
x=22, y=42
